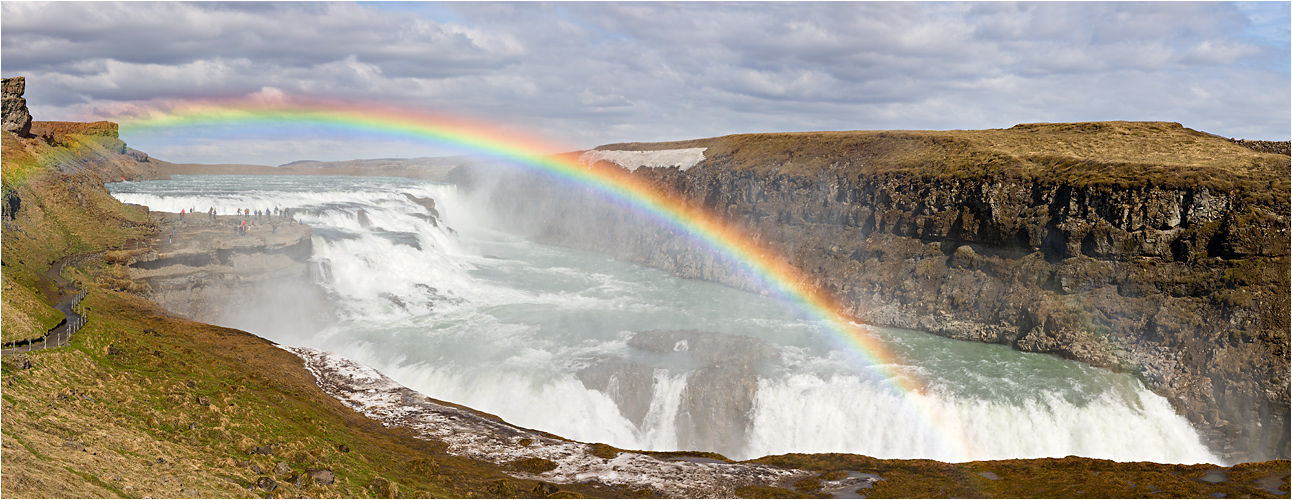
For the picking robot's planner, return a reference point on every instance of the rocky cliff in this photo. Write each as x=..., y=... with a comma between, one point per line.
x=1140, y=247
x=197, y=266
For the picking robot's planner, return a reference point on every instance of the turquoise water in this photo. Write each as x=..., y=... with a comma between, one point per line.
x=464, y=313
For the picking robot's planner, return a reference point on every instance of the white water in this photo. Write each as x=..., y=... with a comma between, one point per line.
x=504, y=325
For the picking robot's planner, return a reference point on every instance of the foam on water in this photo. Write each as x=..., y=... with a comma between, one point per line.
x=461, y=313
x=810, y=414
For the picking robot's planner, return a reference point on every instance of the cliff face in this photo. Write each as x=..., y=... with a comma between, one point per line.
x=198, y=267
x=1184, y=283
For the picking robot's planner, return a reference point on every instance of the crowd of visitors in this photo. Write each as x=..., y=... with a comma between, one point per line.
x=266, y=215
x=245, y=221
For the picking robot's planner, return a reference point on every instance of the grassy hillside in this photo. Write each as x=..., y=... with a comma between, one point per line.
x=1118, y=153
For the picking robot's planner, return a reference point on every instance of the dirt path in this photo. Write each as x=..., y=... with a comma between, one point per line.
x=69, y=304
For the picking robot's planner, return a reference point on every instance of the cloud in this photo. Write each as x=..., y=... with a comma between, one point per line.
x=592, y=73
x=286, y=35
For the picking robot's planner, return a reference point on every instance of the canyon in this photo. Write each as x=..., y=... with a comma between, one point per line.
x=1180, y=280
x=1140, y=247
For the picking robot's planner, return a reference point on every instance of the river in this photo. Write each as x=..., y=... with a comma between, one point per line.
x=549, y=338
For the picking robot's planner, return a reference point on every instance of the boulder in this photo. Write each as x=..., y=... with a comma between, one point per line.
x=322, y=477
x=267, y=483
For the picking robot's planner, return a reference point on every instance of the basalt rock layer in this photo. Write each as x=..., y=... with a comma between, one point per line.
x=1140, y=247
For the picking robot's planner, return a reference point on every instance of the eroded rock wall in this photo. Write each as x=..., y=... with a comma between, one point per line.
x=1188, y=288
x=200, y=268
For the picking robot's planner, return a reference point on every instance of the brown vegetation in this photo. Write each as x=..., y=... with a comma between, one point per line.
x=1125, y=154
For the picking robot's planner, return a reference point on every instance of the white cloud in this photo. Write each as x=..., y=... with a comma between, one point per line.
x=593, y=73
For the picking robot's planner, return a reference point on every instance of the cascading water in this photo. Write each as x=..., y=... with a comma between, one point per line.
x=597, y=350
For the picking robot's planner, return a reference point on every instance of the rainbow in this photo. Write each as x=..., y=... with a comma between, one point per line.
x=767, y=266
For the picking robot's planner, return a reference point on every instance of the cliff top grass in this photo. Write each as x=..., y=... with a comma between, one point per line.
x=1126, y=154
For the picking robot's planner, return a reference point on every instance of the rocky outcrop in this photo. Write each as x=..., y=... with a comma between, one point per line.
x=71, y=147
x=199, y=268
x=1273, y=147
x=16, y=117
x=1185, y=285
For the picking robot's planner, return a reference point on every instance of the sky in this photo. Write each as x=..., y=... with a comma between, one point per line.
x=589, y=73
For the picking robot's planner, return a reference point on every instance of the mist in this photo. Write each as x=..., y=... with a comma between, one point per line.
x=523, y=297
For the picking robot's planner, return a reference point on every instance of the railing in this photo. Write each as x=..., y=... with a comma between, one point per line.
x=62, y=334
x=59, y=335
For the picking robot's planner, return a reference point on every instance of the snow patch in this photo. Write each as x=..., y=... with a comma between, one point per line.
x=475, y=435
x=683, y=159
